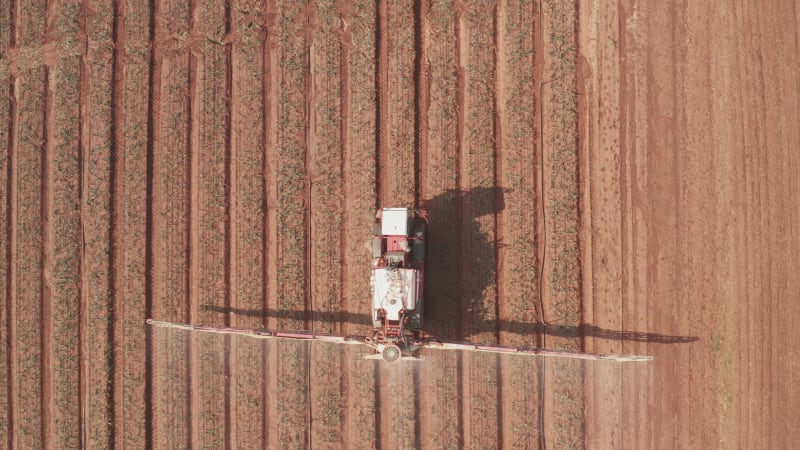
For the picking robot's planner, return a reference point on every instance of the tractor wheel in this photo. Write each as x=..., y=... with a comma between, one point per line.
x=391, y=353
x=418, y=244
x=377, y=243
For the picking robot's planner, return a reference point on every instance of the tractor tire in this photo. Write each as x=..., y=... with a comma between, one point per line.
x=377, y=243
x=418, y=244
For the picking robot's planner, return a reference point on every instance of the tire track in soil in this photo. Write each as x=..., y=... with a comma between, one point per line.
x=63, y=234
x=130, y=168
x=518, y=265
x=288, y=221
x=209, y=235
x=248, y=226
x=6, y=164
x=171, y=208
x=28, y=136
x=98, y=129
x=601, y=254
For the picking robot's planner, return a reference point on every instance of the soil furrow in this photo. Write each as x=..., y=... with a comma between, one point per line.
x=383, y=146
x=247, y=224
x=63, y=241
x=130, y=228
x=421, y=101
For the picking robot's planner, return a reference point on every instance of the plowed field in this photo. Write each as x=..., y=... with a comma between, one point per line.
x=625, y=171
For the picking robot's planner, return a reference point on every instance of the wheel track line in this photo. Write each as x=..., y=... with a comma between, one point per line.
x=150, y=204
x=228, y=189
x=465, y=404
x=7, y=239
x=499, y=110
x=462, y=41
x=422, y=101
x=270, y=94
x=44, y=308
x=191, y=159
x=344, y=139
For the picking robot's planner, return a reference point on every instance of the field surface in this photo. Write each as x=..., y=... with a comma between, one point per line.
x=689, y=115
x=624, y=171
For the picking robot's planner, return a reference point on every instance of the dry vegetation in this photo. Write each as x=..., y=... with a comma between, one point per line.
x=223, y=168
x=561, y=205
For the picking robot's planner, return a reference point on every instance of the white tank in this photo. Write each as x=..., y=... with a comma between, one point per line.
x=394, y=290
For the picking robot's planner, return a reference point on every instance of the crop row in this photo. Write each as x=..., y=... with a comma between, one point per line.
x=248, y=222
x=96, y=215
x=443, y=164
x=131, y=306
x=63, y=234
x=5, y=230
x=561, y=205
x=359, y=117
x=171, y=212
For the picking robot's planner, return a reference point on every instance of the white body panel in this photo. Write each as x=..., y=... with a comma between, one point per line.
x=394, y=290
x=394, y=222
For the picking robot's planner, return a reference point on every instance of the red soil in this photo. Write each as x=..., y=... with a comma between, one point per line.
x=689, y=116
x=220, y=164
